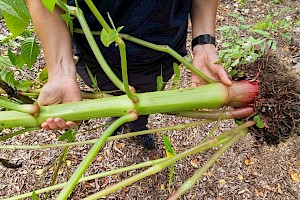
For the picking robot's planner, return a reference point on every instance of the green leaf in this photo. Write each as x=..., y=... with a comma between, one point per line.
x=119, y=29
x=12, y=56
x=108, y=37
x=9, y=78
x=261, y=32
x=43, y=76
x=285, y=35
x=168, y=145
x=15, y=14
x=297, y=23
x=236, y=62
x=20, y=62
x=49, y=4
x=23, y=85
x=5, y=62
x=93, y=79
x=160, y=83
x=176, y=77
x=244, y=26
x=67, y=135
x=259, y=123
x=30, y=51
x=34, y=196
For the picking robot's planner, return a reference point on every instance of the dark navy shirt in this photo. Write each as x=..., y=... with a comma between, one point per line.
x=156, y=21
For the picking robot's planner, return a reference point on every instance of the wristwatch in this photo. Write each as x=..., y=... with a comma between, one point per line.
x=203, y=39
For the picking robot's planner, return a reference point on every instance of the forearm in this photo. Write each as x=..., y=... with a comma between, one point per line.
x=203, y=15
x=55, y=39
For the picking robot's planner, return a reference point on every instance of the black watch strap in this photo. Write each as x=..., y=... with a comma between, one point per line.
x=203, y=39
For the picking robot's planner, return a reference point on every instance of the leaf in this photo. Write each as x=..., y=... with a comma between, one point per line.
x=67, y=135
x=5, y=62
x=168, y=146
x=23, y=85
x=285, y=35
x=176, y=77
x=30, y=51
x=236, y=62
x=261, y=32
x=20, y=62
x=43, y=76
x=119, y=29
x=16, y=15
x=12, y=56
x=9, y=78
x=93, y=79
x=160, y=83
x=34, y=196
x=108, y=37
x=49, y=4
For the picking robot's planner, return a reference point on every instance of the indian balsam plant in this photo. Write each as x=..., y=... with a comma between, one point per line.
x=244, y=43
x=30, y=116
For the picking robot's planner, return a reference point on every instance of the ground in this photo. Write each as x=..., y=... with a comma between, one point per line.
x=251, y=169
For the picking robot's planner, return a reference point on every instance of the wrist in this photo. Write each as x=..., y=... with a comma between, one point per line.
x=62, y=70
x=199, y=49
x=203, y=39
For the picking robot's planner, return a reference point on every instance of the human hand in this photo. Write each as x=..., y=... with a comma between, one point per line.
x=59, y=91
x=205, y=57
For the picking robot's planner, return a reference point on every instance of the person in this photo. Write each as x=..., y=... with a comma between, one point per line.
x=156, y=21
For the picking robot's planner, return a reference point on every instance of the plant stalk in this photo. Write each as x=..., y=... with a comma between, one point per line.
x=91, y=40
x=167, y=49
x=64, y=194
x=187, y=185
x=92, y=177
x=116, y=137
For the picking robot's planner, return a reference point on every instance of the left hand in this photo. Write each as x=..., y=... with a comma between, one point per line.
x=205, y=57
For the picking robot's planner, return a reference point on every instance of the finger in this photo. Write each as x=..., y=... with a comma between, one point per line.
x=45, y=126
x=52, y=125
x=71, y=124
x=60, y=123
x=196, y=81
x=224, y=77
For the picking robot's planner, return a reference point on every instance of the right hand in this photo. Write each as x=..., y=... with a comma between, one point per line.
x=59, y=92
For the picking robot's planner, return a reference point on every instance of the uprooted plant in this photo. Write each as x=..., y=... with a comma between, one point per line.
x=18, y=110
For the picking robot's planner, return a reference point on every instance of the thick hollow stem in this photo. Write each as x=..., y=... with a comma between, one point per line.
x=64, y=194
x=192, y=180
x=209, y=96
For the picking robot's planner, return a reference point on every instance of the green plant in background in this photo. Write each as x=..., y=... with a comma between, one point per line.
x=244, y=43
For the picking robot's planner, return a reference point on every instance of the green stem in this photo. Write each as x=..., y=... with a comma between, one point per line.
x=64, y=194
x=3, y=138
x=97, y=14
x=156, y=168
x=192, y=180
x=92, y=177
x=24, y=108
x=60, y=161
x=221, y=139
x=122, y=49
x=96, y=51
x=163, y=48
x=182, y=126
x=167, y=49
